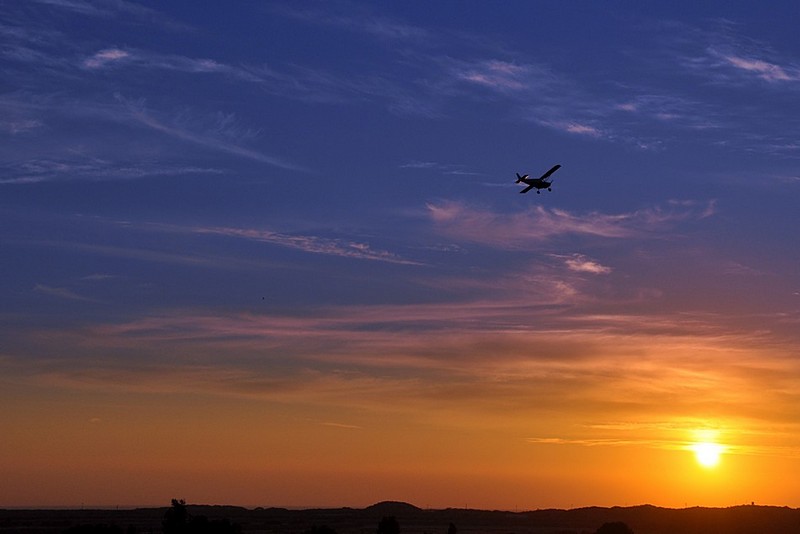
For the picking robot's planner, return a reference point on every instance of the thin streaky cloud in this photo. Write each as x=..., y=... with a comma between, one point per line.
x=20, y=126
x=342, y=425
x=312, y=244
x=98, y=277
x=105, y=57
x=443, y=168
x=603, y=369
x=78, y=6
x=116, y=57
x=93, y=169
x=581, y=264
x=502, y=76
x=160, y=256
x=60, y=292
x=727, y=57
x=364, y=22
x=577, y=128
x=688, y=444
x=122, y=9
x=140, y=114
x=512, y=230
x=763, y=69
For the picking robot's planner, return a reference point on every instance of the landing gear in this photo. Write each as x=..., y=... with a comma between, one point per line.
x=549, y=189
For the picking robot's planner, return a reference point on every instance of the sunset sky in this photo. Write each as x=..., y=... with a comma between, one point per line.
x=272, y=253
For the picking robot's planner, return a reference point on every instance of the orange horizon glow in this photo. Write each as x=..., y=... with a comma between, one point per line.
x=594, y=431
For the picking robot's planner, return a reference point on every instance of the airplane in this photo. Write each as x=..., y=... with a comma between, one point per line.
x=538, y=183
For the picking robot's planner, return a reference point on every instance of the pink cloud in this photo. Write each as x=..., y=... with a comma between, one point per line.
x=581, y=264
x=573, y=127
x=535, y=225
x=767, y=71
x=498, y=75
x=105, y=57
x=514, y=230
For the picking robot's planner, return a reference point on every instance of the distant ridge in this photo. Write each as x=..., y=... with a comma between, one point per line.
x=642, y=519
x=392, y=508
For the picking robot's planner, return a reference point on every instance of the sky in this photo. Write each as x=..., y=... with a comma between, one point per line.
x=272, y=253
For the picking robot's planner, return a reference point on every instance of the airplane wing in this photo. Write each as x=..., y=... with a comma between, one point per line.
x=527, y=189
x=551, y=171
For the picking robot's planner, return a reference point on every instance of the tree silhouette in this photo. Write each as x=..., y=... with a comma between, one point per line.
x=388, y=525
x=178, y=521
x=176, y=518
x=616, y=527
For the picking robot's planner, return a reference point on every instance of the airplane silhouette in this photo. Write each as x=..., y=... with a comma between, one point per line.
x=538, y=183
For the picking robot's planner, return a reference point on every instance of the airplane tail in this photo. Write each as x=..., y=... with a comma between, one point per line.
x=519, y=179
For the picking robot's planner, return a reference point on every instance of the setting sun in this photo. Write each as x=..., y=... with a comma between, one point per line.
x=707, y=454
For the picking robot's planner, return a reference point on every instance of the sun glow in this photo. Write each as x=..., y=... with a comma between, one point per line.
x=707, y=453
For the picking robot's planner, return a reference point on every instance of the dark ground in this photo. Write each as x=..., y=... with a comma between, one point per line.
x=413, y=520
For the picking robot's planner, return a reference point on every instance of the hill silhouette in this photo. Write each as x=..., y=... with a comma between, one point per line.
x=644, y=519
x=393, y=508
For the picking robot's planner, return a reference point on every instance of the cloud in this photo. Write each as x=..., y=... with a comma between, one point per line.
x=83, y=168
x=165, y=257
x=137, y=111
x=508, y=359
x=535, y=225
x=728, y=57
x=116, y=8
x=763, y=69
x=106, y=57
x=574, y=128
x=79, y=6
x=312, y=244
x=497, y=75
x=113, y=57
x=581, y=264
x=342, y=425
x=363, y=22
x=60, y=292
x=443, y=168
x=20, y=126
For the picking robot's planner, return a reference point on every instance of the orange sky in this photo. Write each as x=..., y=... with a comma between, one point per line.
x=606, y=413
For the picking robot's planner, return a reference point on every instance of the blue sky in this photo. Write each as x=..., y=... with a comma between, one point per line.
x=310, y=208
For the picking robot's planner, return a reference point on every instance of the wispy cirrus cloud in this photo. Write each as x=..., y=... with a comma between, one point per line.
x=361, y=21
x=572, y=127
x=105, y=57
x=117, y=8
x=512, y=230
x=94, y=169
x=117, y=57
x=582, y=264
x=60, y=292
x=727, y=56
x=763, y=69
x=308, y=243
x=444, y=168
x=488, y=353
x=502, y=76
x=138, y=112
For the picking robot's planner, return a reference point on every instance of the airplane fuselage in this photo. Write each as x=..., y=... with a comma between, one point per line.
x=536, y=183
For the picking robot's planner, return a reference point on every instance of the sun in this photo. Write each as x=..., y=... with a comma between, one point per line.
x=707, y=453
